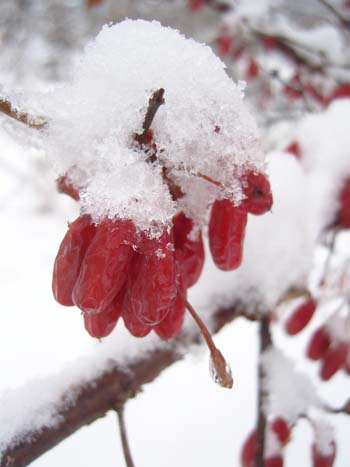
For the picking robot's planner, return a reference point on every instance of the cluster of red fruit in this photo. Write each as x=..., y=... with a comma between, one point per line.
x=111, y=270
x=334, y=354
x=281, y=430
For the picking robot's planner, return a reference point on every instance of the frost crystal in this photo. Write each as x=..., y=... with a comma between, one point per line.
x=203, y=128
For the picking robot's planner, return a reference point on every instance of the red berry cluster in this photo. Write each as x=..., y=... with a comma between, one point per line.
x=334, y=354
x=281, y=429
x=228, y=222
x=111, y=270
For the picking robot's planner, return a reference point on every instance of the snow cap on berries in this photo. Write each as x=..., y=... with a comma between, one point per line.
x=203, y=128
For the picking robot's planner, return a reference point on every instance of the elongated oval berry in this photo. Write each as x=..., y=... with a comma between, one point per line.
x=248, y=450
x=343, y=215
x=333, y=360
x=300, y=317
x=319, y=344
x=171, y=325
x=226, y=234
x=281, y=427
x=319, y=459
x=69, y=258
x=101, y=324
x=189, y=254
x=256, y=188
x=104, y=268
x=151, y=282
x=131, y=321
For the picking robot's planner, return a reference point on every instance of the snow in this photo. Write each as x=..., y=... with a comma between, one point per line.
x=290, y=393
x=324, y=436
x=203, y=128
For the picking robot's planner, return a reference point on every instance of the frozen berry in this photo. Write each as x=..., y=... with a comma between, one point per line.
x=69, y=258
x=257, y=190
x=333, y=360
x=320, y=459
x=273, y=461
x=248, y=450
x=101, y=324
x=319, y=344
x=282, y=429
x=294, y=148
x=300, y=317
x=226, y=234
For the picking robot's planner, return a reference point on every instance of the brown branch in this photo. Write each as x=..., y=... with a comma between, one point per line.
x=265, y=343
x=7, y=108
x=96, y=397
x=155, y=101
x=124, y=438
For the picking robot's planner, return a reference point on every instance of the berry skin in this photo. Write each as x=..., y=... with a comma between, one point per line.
x=319, y=344
x=257, y=190
x=69, y=258
x=151, y=282
x=294, y=148
x=300, y=317
x=252, y=69
x=189, y=254
x=343, y=215
x=282, y=429
x=104, y=268
x=101, y=324
x=248, y=451
x=333, y=360
x=226, y=234
x=275, y=461
x=131, y=321
x=171, y=325
x=322, y=460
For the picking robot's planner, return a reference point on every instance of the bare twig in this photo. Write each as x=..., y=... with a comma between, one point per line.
x=7, y=108
x=123, y=436
x=265, y=343
x=155, y=101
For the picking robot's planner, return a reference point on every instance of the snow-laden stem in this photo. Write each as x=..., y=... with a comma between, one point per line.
x=123, y=437
x=265, y=343
x=8, y=109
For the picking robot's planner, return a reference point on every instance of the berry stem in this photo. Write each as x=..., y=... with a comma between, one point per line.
x=155, y=101
x=123, y=436
x=7, y=108
x=265, y=343
x=220, y=367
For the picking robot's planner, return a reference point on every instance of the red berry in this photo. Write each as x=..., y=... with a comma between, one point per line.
x=248, y=451
x=101, y=324
x=269, y=42
x=294, y=148
x=252, y=69
x=131, y=321
x=343, y=215
x=195, y=5
x=224, y=43
x=333, y=360
x=171, y=325
x=341, y=91
x=273, y=461
x=300, y=317
x=226, y=234
x=104, y=268
x=69, y=258
x=282, y=429
x=318, y=344
x=256, y=188
x=151, y=282
x=189, y=254
x=323, y=460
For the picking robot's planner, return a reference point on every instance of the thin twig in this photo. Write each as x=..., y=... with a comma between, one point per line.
x=155, y=101
x=7, y=108
x=265, y=343
x=123, y=437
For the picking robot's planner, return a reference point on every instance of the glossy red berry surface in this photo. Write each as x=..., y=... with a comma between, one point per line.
x=281, y=428
x=300, y=317
x=226, y=234
x=131, y=321
x=333, y=360
x=256, y=188
x=319, y=344
x=273, y=461
x=102, y=324
x=151, y=282
x=69, y=258
x=104, y=268
x=248, y=451
x=189, y=254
